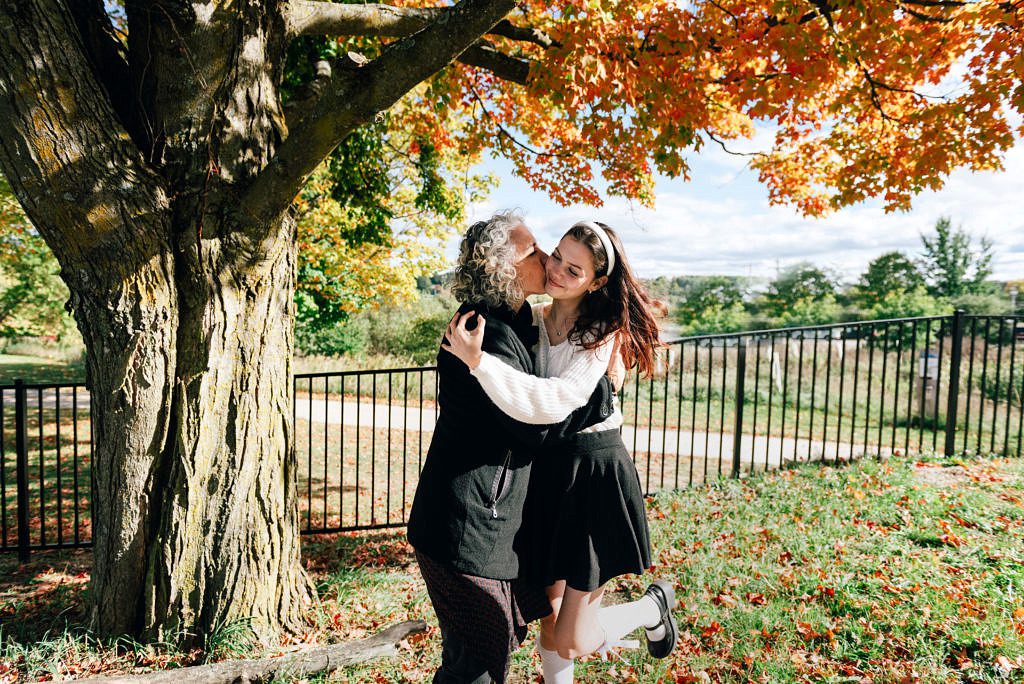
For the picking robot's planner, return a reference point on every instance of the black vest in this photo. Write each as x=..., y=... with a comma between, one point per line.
x=469, y=500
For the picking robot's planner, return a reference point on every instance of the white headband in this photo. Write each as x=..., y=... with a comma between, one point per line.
x=605, y=242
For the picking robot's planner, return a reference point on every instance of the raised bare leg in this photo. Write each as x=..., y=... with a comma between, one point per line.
x=577, y=630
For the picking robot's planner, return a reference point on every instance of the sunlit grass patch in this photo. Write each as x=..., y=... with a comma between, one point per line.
x=873, y=570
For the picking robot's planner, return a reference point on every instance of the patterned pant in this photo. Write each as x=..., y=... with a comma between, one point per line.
x=482, y=621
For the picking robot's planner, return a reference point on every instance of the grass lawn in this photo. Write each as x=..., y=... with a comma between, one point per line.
x=897, y=571
x=39, y=369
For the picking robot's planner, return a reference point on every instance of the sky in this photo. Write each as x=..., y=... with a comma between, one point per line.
x=721, y=222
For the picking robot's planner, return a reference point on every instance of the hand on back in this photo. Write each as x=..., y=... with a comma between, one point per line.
x=616, y=367
x=463, y=343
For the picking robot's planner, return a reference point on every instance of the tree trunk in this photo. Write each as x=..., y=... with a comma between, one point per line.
x=204, y=530
x=227, y=544
x=185, y=305
x=187, y=323
x=129, y=331
x=160, y=174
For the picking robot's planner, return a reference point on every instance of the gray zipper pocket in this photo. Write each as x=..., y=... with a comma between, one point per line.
x=498, y=486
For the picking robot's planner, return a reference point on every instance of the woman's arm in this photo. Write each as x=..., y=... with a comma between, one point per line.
x=522, y=396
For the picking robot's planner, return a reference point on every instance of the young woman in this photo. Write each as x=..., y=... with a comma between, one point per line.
x=584, y=521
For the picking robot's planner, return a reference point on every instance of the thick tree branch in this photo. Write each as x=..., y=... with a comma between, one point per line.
x=357, y=93
x=306, y=17
x=320, y=660
x=74, y=168
x=483, y=55
x=307, y=96
x=318, y=18
x=507, y=29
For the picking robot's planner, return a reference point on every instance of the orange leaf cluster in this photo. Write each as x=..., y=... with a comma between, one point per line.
x=864, y=99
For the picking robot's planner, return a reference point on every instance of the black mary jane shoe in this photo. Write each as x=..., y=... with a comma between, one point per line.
x=664, y=594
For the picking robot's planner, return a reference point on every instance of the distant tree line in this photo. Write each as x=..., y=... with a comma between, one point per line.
x=950, y=273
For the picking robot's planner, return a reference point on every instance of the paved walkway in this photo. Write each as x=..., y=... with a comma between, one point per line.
x=764, y=451
x=49, y=397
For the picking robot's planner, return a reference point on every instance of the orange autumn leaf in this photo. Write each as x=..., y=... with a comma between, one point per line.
x=711, y=630
x=724, y=600
x=859, y=99
x=806, y=632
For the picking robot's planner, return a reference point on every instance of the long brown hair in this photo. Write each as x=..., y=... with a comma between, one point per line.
x=621, y=306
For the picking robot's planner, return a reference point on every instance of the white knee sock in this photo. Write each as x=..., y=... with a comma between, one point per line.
x=621, y=619
x=556, y=669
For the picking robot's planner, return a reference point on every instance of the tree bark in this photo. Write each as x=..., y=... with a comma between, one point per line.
x=226, y=542
x=203, y=530
x=186, y=317
x=105, y=215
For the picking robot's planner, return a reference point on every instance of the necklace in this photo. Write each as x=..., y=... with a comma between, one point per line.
x=561, y=330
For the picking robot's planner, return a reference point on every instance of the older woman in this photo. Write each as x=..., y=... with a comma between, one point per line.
x=468, y=503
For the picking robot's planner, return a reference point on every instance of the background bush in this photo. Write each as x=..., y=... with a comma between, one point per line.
x=408, y=332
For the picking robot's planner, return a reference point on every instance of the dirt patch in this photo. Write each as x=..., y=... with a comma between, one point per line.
x=940, y=476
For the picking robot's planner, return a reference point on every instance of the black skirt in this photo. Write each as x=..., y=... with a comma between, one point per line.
x=584, y=519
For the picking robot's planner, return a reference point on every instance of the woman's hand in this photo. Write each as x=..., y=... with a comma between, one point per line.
x=616, y=367
x=466, y=345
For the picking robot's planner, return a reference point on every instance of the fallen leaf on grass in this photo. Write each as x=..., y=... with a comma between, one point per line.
x=711, y=630
x=806, y=632
x=1003, y=663
x=726, y=600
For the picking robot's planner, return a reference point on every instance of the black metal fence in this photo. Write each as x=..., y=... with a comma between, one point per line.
x=718, y=406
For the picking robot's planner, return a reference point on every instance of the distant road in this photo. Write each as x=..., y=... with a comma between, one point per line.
x=765, y=451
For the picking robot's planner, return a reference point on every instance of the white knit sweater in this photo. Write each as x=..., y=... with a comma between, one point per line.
x=569, y=373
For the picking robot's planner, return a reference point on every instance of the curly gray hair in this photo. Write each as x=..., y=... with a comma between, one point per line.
x=486, y=271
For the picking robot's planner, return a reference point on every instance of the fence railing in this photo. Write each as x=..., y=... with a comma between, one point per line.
x=717, y=406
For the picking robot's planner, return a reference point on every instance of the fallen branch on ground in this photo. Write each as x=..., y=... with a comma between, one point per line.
x=299, y=664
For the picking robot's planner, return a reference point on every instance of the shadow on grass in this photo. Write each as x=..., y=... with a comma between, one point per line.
x=46, y=596
x=33, y=369
x=49, y=595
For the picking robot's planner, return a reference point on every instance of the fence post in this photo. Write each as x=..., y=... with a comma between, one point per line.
x=21, y=466
x=956, y=349
x=741, y=372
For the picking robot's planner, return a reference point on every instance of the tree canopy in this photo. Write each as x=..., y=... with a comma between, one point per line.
x=950, y=264
x=800, y=281
x=864, y=99
x=888, y=274
x=712, y=304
